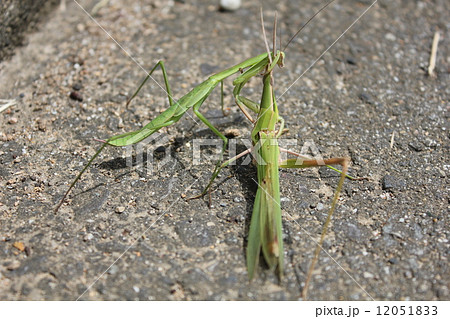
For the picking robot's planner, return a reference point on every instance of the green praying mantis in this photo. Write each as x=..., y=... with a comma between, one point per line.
x=265, y=233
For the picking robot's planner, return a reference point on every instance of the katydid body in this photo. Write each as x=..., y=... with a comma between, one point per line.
x=265, y=228
x=265, y=232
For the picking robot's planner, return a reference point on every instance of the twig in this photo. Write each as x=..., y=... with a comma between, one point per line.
x=434, y=47
x=7, y=103
x=392, y=139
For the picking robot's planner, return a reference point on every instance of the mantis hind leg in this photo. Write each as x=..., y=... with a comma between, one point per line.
x=149, y=75
x=304, y=163
x=222, y=104
x=122, y=139
x=216, y=131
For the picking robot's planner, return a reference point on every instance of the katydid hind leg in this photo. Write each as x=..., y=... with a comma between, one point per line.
x=217, y=171
x=304, y=163
x=305, y=157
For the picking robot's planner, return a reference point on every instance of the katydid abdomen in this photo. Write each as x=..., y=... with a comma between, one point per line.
x=265, y=228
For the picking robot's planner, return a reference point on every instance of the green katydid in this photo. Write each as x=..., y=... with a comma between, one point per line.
x=265, y=229
x=265, y=232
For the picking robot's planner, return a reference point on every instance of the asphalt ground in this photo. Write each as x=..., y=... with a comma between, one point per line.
x=126, y=230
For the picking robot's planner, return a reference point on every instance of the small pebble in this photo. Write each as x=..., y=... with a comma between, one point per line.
x=393, y=260
x=12, y=120
x=113, y=270
x=19, y=245
x=416, y=146
x=77, y=86
x=237, y=199
x=350, y=60
x=120, y=209
x=390, y=37
x=232, y=133
x=230, y=5
x=366, y=98
x=390, y=182
x=88, y=237
x=13, y=265
x=368, y=275
x=76, y=96
x=102, y=226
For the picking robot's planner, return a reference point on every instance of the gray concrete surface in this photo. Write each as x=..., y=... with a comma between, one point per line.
x=390, y=233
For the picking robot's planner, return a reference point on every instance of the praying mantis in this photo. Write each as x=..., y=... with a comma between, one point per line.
x=265, y=233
